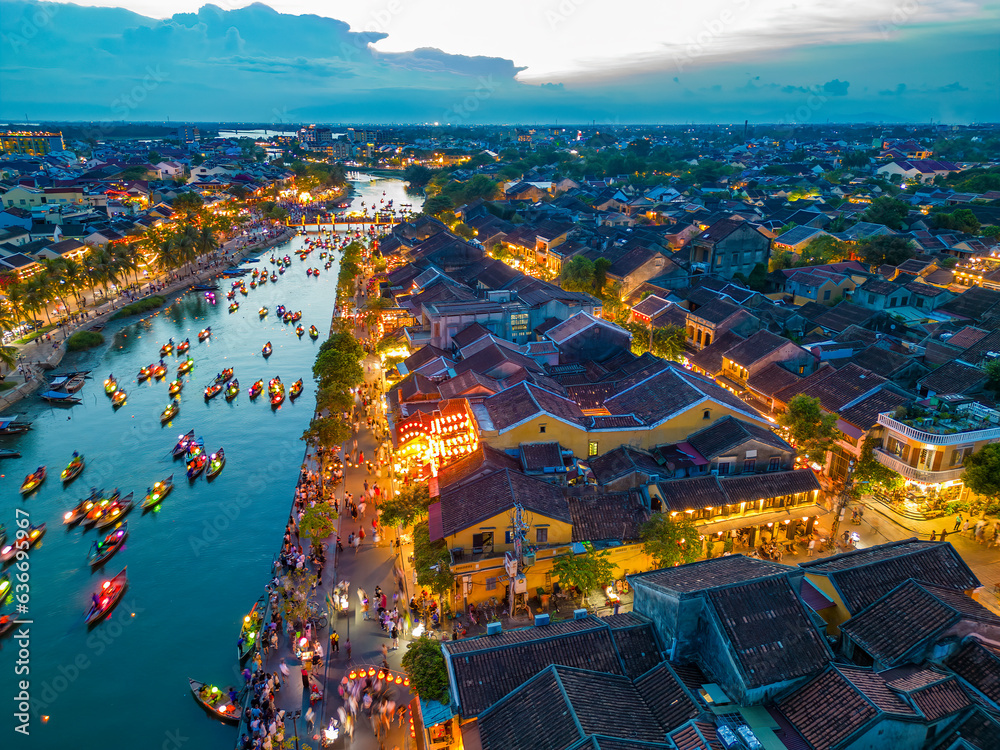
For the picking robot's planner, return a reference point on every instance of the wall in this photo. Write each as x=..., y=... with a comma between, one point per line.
x=888, y=733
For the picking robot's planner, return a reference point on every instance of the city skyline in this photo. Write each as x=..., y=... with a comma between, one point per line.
x=726, y=61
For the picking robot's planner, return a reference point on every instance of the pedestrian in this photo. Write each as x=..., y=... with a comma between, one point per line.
x=958, y=523
x=335, y=641
x=812, y=548
x=385, y=652
x=347, y=645
x=395, y=637
x=284, y=671
x=944, y=534
x=933, y=535
x=305, y=678
x=965, y=526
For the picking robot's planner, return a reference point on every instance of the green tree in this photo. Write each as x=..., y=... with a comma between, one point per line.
x=885, y=249
x=318, y=522
x=578, y=275
x=432, y=562
x=811, y=429
x=962, y=220
x=670, y=542
x=425, y=666
x=154, y=157
x=417, y=175
x=824, y=249
x=992, y=369
x=887, y=211
x=869, y=470
x=668, y=342
x=464, y=231
x=589, y=571
x=982, y=471
x=188, y=203
x=437, y=205
x=406, y=508
x=601, y=266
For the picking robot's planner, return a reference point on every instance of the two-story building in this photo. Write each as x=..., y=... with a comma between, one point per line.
x=730, y=246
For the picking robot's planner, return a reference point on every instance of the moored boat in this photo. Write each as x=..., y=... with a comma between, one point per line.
x=157, y=492
x=102, y=551
x=33, y=481
x=215, y=463
x=105, y=599
x=249, y=630
x=313, y=332
x=216, y=702
x=73, y=468
x=183, y=443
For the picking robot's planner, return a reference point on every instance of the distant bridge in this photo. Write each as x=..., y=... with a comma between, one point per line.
x=381, y=221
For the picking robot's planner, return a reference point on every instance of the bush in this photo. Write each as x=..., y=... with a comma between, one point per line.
x=84, y=340
x=140, y=306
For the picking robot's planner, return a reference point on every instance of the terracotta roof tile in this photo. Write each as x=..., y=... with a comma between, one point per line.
x=611, y=516
x=978, y=663
x=709, y=574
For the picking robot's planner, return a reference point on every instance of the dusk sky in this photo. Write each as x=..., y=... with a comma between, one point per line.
x=526, y=61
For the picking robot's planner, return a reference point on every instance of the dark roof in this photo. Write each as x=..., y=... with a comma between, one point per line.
x=666, y=696
x=706, y=575
x=880, y=360
x=953, y=377
x=716, y=311
x=622, y=461
x=696, y=735
x=857, y=333
x=561, y=706
x=771, y=379
x=728, y=433
x=538, y=456
x=709, y=359
x=470, y=333
x=488, y=667
x=863, y=414
x=755, y=348
x=423, y=355
x=484, y=459
x=978, y=350
x=980, y=731
x=972, y=303
x=838, y=703
x=524, y=401
x=908, y=616
x=483, y=498
x=612, y=516
x=695, y=493
x=936, y=694
x=836, y=387
x=863, y=576
x=978, y=663
x=843, y=315
x=749, y=488
x=877, y=286
x=769, y=629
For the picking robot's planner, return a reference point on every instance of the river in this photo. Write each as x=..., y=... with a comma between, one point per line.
x=196, y=565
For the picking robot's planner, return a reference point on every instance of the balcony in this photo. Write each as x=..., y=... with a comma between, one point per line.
x=914, y=474
x=935, y=431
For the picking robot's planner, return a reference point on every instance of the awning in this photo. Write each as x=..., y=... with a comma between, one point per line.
x=435, y=527
x=776, y=516
x=848, y=429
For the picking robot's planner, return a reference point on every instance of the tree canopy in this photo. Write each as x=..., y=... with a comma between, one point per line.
x=885, y=249
x=982, y=471
x=409, y=506
x=425, y=666
x=432, y=561
x=589, y=571
x=888, y=212
x=670, y=542
x=811, y=429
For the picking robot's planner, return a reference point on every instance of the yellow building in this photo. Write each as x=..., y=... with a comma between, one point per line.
x=34, y=143
x=664, y=403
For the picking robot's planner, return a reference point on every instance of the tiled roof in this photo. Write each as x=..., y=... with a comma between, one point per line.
x=749, y=488
x=771, y=379
x=423, y=355
x=621, y=461
x=496, y=493
x=470, y=333
x=977, y=351
x=880, y=360
x=837, y=387
x=484, y=459
x=728, y=433
x=538, y=456
x=705, y=575
x=980, y=731
x=709, y=359
x=966, y=337
x=470, y=379
x=953, y=377
x=857, y=333
x=524, y=401
x=666, y=696
x=863, y=414
x=843, y=315
x=616, y=515
x=978, y=663
x=563, y=705
x=875, y=688
x=716, y=311
x=908, y=616
x=877, y=286
x=755, y=348
x=863, y=576
x=696, y=735
x=972, y=303
x=936, y=694
x=695, y=493
x=771, y=634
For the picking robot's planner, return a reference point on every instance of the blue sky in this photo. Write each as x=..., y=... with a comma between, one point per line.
x=525, y=61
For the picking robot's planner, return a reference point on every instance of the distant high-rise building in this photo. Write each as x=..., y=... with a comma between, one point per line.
x=188, y=134
x=30, y=142
x=314, y=137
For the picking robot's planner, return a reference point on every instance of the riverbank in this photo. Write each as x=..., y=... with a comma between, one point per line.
x=38, y=357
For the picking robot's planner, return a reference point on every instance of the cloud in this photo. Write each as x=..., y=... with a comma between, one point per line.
x=836, y=87
x=950, y=88
x=898, y=91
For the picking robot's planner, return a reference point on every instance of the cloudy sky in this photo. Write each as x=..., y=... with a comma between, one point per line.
x=526, y=61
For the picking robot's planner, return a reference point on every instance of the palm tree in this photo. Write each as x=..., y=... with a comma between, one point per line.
x=15, y=291
x=206, y=241
x=187, y=246
x=38, y=295
x=8, y=354
x=75, y=279
x=166, y=255
x=54, y=273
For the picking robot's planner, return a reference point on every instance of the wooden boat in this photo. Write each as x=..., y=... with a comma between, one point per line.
x=296, y=390
x=296, y=316
x=158, y=371
x=204, y=333
x=167, y=348
x=4, y=586
x=74, y=384
x=176, y=386
x=7, y=625
x=262, y=312
x=281, y=270
x=157, y=493
x=196, y=448
x=75, y=514
x=253, y=284
x=313, y=332
x=226, y=374
x=299, y=330
x=280, y=311
x=215, y=702
x=9, y=453
x=215, y=463
x=118, y=399
x=106, y=597
x=183, y=346
x=249, y=630
x=73, y=469
x=277, y=396
x=255, y=390
x=185, y=366
x=33, y=481
x=196, y=466
x=115, y=511
x=244, y=291
x=309, y=272
x=274, y=277
x=329, y=265
x=231, y=294
x=60, y=398
x=233, y=389
x=183, y=442
x=234, y=307
x=10, y=425
x=315, y=273
x=34, y=535
x=102, y=551
x=213, y=390
x=110, y=385
x=144, y=374
x=266, y=349
x=170, y=412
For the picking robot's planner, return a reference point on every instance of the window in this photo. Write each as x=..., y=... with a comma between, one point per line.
x=541, y=535
x=707, y=414
x=919, y=302
x=592, y=448
x=708, y=338
x=802, y=369
x=774, y=463
x=725, y=467
x=541, y=428
x=491, y=583
x=480, y=541
x=508, y=537
x=826, y=294
x=749, y=465
x=871, y=299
